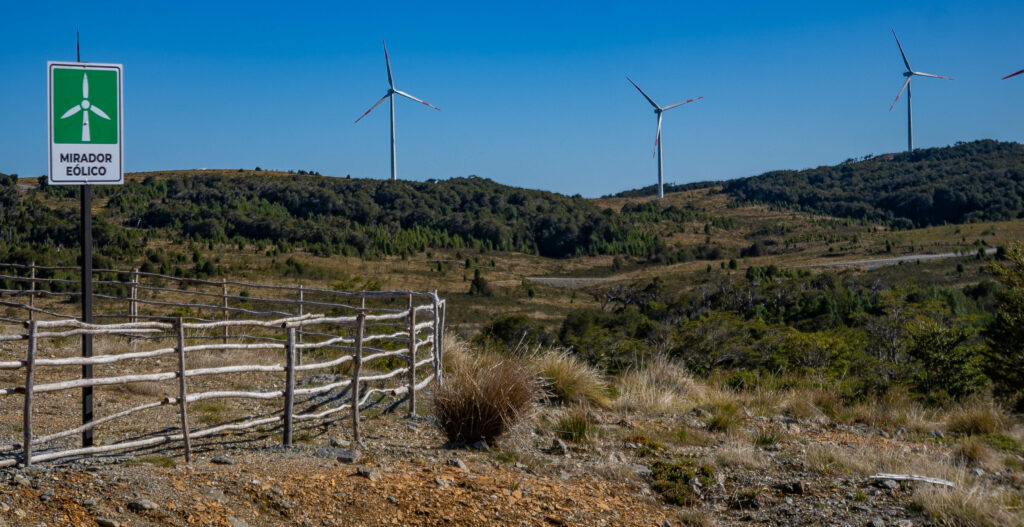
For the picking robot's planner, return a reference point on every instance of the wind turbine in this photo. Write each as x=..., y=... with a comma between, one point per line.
x=658, y=110
x=909, y=74
x=85, y=107
x=1014, y=74
x=390, y=95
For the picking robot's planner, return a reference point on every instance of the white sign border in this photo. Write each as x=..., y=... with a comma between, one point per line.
x=50, y=65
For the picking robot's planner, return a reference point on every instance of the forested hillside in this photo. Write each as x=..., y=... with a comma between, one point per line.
x=976, y=181
x=327, y=216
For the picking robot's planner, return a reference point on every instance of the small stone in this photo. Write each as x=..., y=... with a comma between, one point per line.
x=558, y=447
x=142, y=504
x=393, y=500
x=789, y=501
x=889, y=484
x=46, y=496
x=338, y=442
x=222, y=459
x=877, y=522
x=440, y=482
x=88, y=502
x=481, y=445
x=21, y=480
x=348, y=456
x=235, y=522
x=459, y=464
x=641, y=470
x=937, y=434
x=977, y=471
x=904, y=523
x=369, y=474
x=107, y=522
x=217, y=495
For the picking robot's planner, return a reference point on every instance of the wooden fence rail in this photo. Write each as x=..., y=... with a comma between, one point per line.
x=324, y=325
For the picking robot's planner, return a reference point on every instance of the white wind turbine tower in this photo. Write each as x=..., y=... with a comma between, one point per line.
x=85, y=107
x=658, y=110
x=909, y=74
x=390, y=95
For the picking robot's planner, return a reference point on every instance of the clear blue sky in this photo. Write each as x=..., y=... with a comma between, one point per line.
x=532, y=94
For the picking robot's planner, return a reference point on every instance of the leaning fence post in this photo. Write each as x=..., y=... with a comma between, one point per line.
x=412, y=357
x=32, y=292
x=357, y=363
x=289, y=387
x=182, y=395
x=298, y=356
x=30, y=365
x=224, y=296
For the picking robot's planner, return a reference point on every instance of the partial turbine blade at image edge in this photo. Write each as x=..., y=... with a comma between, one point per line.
x=403, y=94
x=74, y=109
x=648, y=97
x=99, y=112
x=367, y=112
x=902, y=54
x=905, y=83
x=1014, y=74
x=669, y=107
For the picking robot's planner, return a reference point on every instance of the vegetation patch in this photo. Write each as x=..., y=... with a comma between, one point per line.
x=577, y=425
x=674, y=481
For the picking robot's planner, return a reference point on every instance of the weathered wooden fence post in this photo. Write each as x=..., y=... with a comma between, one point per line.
x=357, y=363
x=298, y=334
x=436, y=345
x=182, y=393
x=32, y=292
x=224, y=296
x=412, y=356
x=30, y=366
x=289, y=386
x=133, y=298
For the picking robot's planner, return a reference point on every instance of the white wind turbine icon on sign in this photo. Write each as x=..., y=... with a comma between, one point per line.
x=85, y=107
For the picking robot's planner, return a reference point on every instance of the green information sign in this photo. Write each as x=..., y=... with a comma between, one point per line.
x=85, y=123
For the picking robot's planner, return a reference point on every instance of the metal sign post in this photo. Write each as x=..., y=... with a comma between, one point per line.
x=85, y=120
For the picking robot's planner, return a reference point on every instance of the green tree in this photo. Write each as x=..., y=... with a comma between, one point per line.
x=1004, y=360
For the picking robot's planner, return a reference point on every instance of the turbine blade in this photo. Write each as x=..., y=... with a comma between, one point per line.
x=919, y=74
x=657, y=138
x=905, y=83
x=904, y=55
x=669, y=107
x=387, y=60
x=1014, y=74
x=648, y=97
x=74, y=109
x=382, y=99
x=99, y=112
x=85, y=85
x=403, y=94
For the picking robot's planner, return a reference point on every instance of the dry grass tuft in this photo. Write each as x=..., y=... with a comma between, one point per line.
x=724, y=417
x=970, y=507
x=978, y=417
x=569, y=380
x=484, y=396
x=662, y=386
x=973, y=452
x=741, y=456
x=577, y=425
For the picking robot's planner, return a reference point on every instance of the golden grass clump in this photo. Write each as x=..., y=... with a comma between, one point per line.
x=569, y=380
x=977, y=417
x=662, y=386
x=976, y=506
x=484, y=396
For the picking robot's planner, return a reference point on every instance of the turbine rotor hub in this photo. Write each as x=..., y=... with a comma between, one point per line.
x=85, y=104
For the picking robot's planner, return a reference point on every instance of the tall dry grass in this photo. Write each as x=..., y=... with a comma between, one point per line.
x=484, y=396
x=662, y=386
x=569, y=380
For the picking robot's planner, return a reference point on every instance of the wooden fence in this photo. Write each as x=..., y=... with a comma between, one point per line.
x=366, y=332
